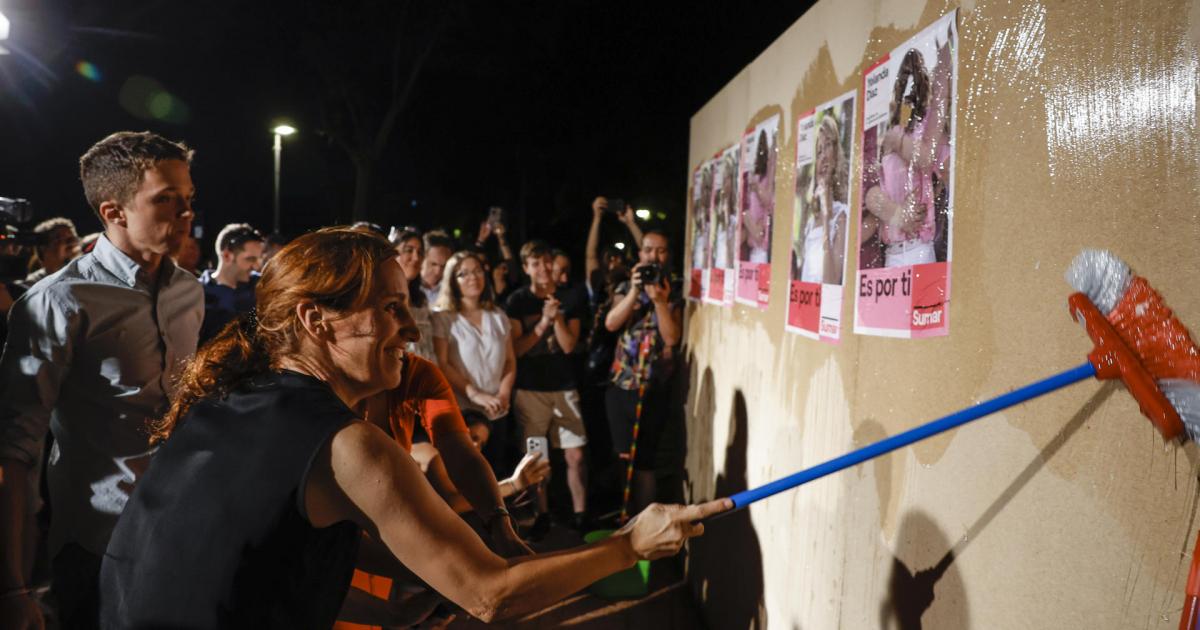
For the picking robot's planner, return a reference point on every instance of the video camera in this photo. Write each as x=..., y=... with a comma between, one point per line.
x=16, y=234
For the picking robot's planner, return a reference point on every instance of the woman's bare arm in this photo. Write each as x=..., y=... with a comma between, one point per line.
x=509, y=377
x=430, y=460
x=591, y=261
x=363, y=476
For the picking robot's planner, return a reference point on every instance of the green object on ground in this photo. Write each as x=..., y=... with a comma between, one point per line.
x=628, y=584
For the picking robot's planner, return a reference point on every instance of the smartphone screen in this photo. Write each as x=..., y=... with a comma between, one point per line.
x=616, y=205
x=495, y=215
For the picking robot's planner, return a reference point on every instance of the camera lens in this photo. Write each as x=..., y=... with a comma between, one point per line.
x=650, y=274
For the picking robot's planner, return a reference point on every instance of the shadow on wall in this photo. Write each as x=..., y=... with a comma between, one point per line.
x=673, y=448
x=911, y=593
x=725, y=566
x=698, y=436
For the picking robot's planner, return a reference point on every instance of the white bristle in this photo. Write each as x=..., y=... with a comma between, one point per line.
x=1101, y=276
x=1185, y=398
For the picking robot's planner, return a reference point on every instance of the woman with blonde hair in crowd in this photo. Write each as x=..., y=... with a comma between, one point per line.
x=472, y=339
x=253, y=509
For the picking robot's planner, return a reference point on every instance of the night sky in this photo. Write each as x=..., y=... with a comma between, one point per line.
x=533, y=106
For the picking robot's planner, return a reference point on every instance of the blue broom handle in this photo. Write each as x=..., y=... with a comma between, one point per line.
x=887, y=445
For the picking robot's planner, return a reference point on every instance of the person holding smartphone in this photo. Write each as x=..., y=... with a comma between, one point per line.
x=647, y=313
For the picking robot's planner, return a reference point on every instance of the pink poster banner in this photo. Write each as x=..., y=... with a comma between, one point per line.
x=756, y=184
x=905, y=301
x=716, y=286
x=701, y=239
x=723, y=226
x=906, y=203
x=804, y=308
x=821, y=219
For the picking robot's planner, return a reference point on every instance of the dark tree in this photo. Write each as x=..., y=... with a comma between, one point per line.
x=368, y=79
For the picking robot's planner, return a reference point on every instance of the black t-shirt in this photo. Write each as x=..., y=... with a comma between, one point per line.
x=215, y=536
x=544, y=368
x=574, y=297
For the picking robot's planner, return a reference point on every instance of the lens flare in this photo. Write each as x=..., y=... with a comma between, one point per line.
x=147, y=99
x=88, y=70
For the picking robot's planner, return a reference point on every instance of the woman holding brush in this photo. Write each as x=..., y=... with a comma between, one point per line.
x=268, y=471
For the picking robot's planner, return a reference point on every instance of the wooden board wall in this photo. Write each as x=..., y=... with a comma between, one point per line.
x=1076, y=128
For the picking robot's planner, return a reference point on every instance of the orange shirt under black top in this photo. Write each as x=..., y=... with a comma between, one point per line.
x=424, y=396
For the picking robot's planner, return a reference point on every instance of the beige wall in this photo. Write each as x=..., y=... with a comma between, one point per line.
x=1076, y=128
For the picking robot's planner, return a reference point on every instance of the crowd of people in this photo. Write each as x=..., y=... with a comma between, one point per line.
x=344, y=427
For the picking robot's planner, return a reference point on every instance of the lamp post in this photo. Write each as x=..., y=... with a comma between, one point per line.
x=280, y=131
x=4, y=24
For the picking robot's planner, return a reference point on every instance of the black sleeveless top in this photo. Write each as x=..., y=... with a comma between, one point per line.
x=215, y=534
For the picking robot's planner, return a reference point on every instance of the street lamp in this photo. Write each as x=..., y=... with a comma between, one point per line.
x=280, y=131
x=4, y=24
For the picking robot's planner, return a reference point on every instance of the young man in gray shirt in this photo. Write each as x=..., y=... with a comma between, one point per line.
x=91, y=354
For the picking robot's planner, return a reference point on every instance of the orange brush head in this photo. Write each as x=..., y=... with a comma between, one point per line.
x=1138, y=340
x=1152, y=331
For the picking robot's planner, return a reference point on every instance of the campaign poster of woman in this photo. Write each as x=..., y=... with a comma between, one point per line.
x=907, y=202
x=724, y=227
x=757, y=212
x=702, y=184
x=821, y=219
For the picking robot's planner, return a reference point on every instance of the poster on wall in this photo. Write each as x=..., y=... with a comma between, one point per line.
x=906, y=205
x=723, y=225
x=756, y=213
x=821, y=221
x=702, y=184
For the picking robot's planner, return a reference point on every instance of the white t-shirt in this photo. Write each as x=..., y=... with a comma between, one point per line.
x=477, y=353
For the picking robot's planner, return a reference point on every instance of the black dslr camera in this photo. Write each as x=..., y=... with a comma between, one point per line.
x=16, y=234
x=650, y=274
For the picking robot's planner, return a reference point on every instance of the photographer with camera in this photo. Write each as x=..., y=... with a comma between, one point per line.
x=648, y=313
